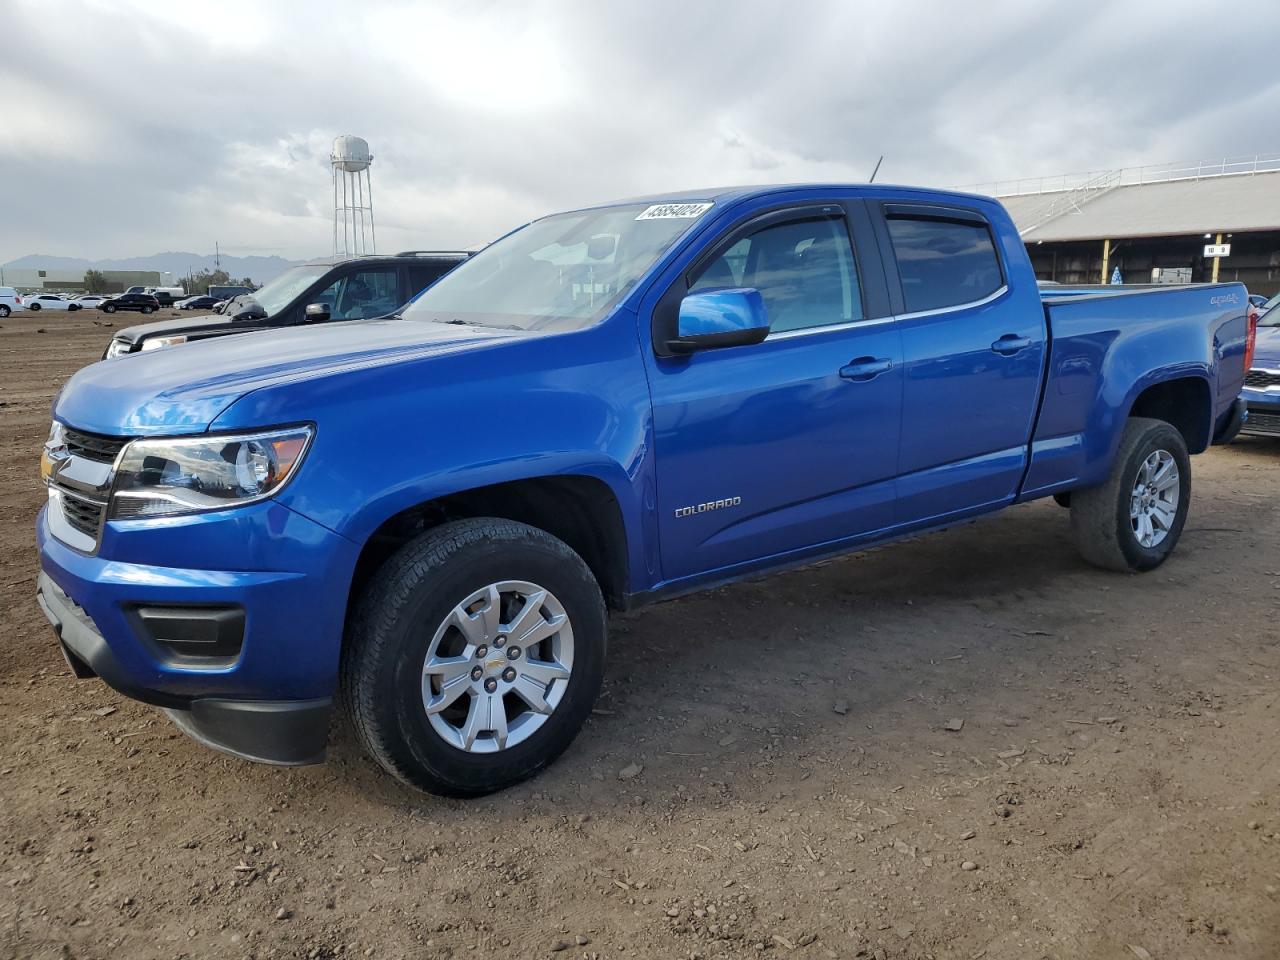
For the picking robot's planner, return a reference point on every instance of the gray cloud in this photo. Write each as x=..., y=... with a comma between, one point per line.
x=133, y=127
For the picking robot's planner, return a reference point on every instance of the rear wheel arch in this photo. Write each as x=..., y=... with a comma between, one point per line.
x=1186, y=403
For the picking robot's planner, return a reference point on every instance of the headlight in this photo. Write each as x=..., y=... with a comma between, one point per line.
x=161, y=478
x=117, y=348
x=158, y=343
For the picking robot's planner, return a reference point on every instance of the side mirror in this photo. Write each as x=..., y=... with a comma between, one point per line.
x=720, y=318
x=317, y=313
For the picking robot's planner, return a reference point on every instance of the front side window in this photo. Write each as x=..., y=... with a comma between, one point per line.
x=944, y=263
x=563, y=272
x=361, y=295
x=803, y=269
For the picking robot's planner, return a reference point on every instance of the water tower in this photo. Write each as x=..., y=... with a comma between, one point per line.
x=353, y=233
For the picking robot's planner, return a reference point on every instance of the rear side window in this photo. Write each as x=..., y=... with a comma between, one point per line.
x=944, y=263
x=422, y=275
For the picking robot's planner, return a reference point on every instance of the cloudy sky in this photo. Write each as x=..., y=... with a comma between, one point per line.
x=134, y=127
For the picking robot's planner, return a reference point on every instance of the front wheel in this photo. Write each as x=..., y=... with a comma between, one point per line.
x=474, y=656
x=109, y=308
x=1132, y=521
x=34, y=308
x=147, y=309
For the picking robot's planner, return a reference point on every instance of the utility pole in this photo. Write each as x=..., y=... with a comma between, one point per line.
x=217, y=256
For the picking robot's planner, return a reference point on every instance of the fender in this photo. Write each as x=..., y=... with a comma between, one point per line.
x=543, y=405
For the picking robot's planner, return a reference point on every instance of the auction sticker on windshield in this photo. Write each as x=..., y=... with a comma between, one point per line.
x=674, y=211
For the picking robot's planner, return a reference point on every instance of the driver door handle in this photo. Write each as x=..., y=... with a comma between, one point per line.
x=866, y=368
x=1010, y=344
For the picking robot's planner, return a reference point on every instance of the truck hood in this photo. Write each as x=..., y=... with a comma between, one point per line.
x=1266, y=351
x=199, y=324
x=182, y=389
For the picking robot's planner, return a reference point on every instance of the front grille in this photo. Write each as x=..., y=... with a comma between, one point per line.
x=83, y=514
x=92, y=446
x=1260, y=379
x=1267, y=424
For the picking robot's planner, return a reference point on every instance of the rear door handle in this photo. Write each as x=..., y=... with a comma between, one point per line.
x=866, y=368
x=1010, y=344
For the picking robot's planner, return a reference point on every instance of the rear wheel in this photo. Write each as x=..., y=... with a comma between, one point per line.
x=34, y=307
x=1133, y=521
x=474, y=656
x=4, y=310
x=109, y=308
x=147, y=309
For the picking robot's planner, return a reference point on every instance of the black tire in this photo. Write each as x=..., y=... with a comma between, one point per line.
x=35, y=308
x=4, y=310
x=1063, y=499
x=394, y=623
x=148, y=309
x=109, y=308
x=1100, y=521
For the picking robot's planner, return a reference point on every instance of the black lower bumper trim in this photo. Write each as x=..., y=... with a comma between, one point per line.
x=286, y=732
x=82, y=642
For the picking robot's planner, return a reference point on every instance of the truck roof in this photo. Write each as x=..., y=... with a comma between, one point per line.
x=457, y=255
x=752, y=192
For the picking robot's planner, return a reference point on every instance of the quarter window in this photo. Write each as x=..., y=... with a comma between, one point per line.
x=803, y=269
x=944, y=263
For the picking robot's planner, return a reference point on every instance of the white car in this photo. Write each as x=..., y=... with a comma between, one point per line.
x=90, y=301
x=10, y=300
x=49, y=301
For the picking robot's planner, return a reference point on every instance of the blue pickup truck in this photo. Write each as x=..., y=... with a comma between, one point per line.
x=427, y=516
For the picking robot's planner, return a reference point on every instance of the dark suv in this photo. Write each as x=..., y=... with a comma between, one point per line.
x=143, y=302
x=317, y=292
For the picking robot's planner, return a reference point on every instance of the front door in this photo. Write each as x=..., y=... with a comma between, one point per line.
x=788, y=444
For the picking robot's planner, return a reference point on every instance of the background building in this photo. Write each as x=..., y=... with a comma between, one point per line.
x=1080, y=227
x=57, y=280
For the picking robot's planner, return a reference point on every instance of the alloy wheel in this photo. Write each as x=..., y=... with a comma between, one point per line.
x=1153, y=503
x=497, y=667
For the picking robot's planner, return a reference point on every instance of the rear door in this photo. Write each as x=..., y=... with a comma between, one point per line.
x=788, y=444
x=973, y=352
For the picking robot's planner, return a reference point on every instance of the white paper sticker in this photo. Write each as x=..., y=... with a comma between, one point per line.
x=674, y=211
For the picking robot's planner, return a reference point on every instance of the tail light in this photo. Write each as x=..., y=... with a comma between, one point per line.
x=18, y=297
x=1250, y=336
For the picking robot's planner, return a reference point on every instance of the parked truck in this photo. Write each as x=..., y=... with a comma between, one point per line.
x=429, y=516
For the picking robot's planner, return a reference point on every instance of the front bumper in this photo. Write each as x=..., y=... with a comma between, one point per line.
x=1262, y=413
x=272, y=699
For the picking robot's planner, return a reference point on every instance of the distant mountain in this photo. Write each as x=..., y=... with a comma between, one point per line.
x=260, y=269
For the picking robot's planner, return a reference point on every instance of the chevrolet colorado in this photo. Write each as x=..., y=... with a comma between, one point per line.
x=427, y=515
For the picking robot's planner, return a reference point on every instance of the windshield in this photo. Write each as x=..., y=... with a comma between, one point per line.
x=560, y=273
x=1270, y=316
x=276, y=295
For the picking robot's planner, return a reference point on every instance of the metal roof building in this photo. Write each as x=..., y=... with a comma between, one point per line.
x=1156, y=224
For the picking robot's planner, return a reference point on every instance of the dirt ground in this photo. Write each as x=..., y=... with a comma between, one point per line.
x=1112, y=791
